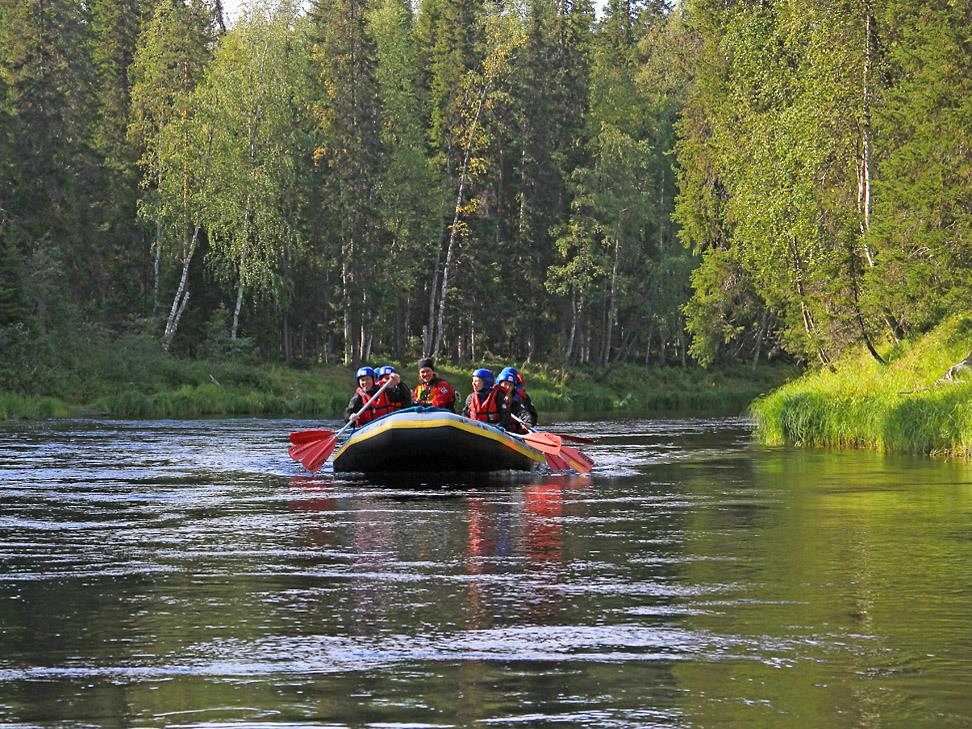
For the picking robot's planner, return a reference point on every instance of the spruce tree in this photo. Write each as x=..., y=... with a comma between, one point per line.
x=115, y=25
x=351, y=158
x=46, y=117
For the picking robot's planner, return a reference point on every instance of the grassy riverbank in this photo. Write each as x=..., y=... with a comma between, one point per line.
x=131, y=379
x=899, y=407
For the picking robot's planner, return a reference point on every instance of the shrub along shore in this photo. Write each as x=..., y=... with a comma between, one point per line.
x=131, y=379
x=906, y=406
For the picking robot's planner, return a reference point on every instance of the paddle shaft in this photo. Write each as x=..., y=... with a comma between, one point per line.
x=353, y=421
x=313, y=455
x=565, y=436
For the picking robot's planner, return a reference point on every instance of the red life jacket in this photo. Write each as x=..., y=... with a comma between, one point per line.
x=488, y=411
x=436, y=392
x=381, y=406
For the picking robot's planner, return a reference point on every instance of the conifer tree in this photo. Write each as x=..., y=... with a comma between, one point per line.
x=115, y=25
x=922, y=224
x=351, y=158
x=46, y=118
x=409, y=196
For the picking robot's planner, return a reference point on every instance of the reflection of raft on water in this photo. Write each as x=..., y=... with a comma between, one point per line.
x=432, y=439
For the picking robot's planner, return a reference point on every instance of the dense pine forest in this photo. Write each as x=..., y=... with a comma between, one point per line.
x=708, y=181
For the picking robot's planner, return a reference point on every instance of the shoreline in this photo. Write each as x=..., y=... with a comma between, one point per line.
x=199, y=389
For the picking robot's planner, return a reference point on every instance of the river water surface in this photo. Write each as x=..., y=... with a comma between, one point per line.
x=188, y=574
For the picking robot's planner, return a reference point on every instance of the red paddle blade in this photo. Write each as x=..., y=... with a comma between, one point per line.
x=309, y=436
x=546, y=442
x=577, y=460
x=312, y=455
x=556, y=463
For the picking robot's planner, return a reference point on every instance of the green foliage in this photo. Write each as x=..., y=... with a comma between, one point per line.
x=87, y=370
x=247, y=108
x=220, y=344
x=411, y=192
x=13, y=406
x=821, y=172
x=383, y=176
x=901, y=407
x=923, y=209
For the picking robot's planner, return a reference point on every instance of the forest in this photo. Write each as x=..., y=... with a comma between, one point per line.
x=703, y=181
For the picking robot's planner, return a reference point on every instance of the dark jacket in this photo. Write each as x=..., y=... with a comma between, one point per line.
x=400, y=394
x=523, y=408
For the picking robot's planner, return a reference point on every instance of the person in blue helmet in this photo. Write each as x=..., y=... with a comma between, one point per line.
x=368, y=386
x=521, y=405
x=521, y=420
x=399, y=395
x=487, y=403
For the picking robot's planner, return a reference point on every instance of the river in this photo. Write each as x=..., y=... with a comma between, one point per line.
x=188, y=574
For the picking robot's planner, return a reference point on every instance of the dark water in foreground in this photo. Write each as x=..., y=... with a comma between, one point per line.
x=186, y=574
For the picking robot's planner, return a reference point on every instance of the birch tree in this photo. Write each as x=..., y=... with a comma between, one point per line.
x=169, y=62
x=248, y=107
x=504, y=36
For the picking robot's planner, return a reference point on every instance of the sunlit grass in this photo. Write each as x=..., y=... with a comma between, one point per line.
x=898, y=407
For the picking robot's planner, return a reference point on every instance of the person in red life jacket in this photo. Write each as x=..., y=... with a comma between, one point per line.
x=399, y=396
x=432, y=390
x=487, y=403
x=522, y=406
x=367, y=387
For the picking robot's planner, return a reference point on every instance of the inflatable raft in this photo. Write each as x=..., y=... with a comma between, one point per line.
x=432, y=439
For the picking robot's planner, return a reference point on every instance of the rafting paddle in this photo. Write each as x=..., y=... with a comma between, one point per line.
x=301, y=437
x=546, y=442
x=313, y=454
x=558, y=456
x=577, y=439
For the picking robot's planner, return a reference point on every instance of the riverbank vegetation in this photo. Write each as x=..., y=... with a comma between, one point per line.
x=94, y=375
x=920, y=402
x=650, y=183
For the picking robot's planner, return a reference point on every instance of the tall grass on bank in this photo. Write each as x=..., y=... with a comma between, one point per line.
x=13, y=405
x=897, y=408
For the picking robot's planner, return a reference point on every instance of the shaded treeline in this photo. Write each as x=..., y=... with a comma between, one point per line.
x=459, y=178
x=468, y=178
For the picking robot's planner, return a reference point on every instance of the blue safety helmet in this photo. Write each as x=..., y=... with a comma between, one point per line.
x=383, y=372
x=485, y=375
x=507, y=375
x=366, y=372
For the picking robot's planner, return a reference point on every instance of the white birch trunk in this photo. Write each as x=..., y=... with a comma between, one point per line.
x=181, y=297
x=450, y=250
x=573, y=325
x=236, y=312
x=612, y=303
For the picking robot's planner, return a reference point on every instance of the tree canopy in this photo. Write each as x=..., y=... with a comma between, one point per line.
x=705, y=180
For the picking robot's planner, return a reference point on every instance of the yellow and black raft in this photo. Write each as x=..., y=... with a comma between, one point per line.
x=432, y=439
